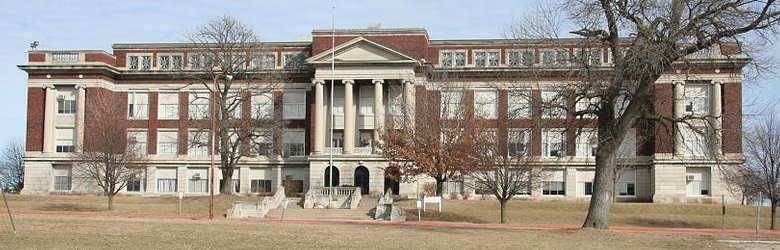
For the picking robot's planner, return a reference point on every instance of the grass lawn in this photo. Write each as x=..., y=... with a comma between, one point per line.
x=64, y=232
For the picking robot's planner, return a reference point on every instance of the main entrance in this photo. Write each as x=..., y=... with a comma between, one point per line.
x=335, y=177
x=361, y=179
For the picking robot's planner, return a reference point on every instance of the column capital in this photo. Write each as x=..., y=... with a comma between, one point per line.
x=48, y=86
x=407, y=81
x=347, y=81
x=81, y=86
x=678, y=82
x=378, y=81
x=317, y=81
x=713, y=82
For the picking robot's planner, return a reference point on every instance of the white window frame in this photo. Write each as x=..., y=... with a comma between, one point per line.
x=550, y=137
x=488, y=62
x=591, y=105
x=262, y=105
x=521, y=58
x=451, y=104
x=141, y=137
x=294, y=138
x=260, y=61
x=453, y=60
x=627, y=177
x=199, y=105
x=262, y=140
x=67, y=103
x=697, y=99
x=587, y=141
x=556, y=103
x=63, y=143
x=519, y=103
x=138, y=105
x=366, y=100
x=168, y=110
x=198, y=143
x=57, y=179
x=299, y=55
x=486, y=104
x=168, y=140
x=695, y=143
x=170, y=57
x=521, y=137
x=556, y=54
x=294, y=109
x=579, y=52
x=560, y=188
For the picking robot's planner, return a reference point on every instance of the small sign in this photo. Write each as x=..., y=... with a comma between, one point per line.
x=419, y=204
x=180, y=195
x=432, y=199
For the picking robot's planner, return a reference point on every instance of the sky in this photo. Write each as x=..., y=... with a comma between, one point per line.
x=97, y=25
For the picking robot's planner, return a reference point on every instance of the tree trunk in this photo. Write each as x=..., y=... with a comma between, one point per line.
x=439, y=187
x=227, y=181
x=503, y=210
x=110, y=202
x=598, y=212
x=774, y=212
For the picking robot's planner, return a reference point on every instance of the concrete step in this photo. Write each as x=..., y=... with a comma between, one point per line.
x=296, y=211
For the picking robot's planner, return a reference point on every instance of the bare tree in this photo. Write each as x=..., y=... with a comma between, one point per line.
x=505, y=175
x=108, y=158
x=442, y=142
x=661, y=35
x=762, y=153
x=228, y=62
x=742, y=182
x=12, y=167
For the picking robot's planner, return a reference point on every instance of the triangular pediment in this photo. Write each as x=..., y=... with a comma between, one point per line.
x=362, y=51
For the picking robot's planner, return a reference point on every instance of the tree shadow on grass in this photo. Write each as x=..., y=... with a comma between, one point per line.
x=69, y=207
x=667, y=223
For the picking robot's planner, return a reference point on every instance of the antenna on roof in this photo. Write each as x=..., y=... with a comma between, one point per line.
x=34, y=45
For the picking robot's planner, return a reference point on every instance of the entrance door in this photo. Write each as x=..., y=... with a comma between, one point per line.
x=361, y=179
x=327, y=179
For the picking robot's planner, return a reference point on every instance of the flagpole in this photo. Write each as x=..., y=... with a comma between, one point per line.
x=332, y=89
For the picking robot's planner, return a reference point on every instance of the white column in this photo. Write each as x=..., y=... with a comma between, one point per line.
x=409, y=102
x=319, y=116
x=379, y=111
x=716, y=112
x=349, y=117
x=679, y=112
x=50, y=107
x=81, y=100
x=244, y=180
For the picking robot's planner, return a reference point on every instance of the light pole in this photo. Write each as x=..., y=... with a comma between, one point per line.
x=214, y=93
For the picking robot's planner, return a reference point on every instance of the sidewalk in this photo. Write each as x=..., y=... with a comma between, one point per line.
x=405, y=223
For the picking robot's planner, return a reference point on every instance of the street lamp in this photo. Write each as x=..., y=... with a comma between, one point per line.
x=213, y=129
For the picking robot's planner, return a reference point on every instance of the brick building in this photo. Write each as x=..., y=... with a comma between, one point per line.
x=376, y=71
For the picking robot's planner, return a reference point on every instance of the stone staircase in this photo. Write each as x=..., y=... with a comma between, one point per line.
x=295, y=211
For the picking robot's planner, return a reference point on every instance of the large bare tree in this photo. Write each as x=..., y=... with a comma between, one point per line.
x=645, y=39
x=227, y=61
x=107, y=157
x=762, y=153
x=12, y=166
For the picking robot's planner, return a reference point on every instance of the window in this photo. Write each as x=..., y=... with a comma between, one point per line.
x=479, y=59
x=167, y=143
x=293, y=142
x=198, y=183
x=62, y=178
x=139, y=62
x=169, y=62
x=452, y=58
x=587, y=141
x=294, y=105
x=137, y=141
x=452, y=104
x=695, y=140
x=588, y=188
x=137, y=105
x=166, y=185
x=493, y=59
x=590, y=56
x=233, y=62
x=265, y=61
x=589, y=105
x=485, y=104
x=66, y=100
x=135, y=184
x=366, y=138
x=697, y=99
x=262, y=106
x=261, y=186
x=697, y=181
x=553, y=143
x=518, y=143
x=518, y=58
x=553, y=188
x=621, y=104
x=338, y=138
x=519, y=103
x=453, y=188
x=65, y=140
x=553, y=105
x=199, y=105
x=168, y=106
x=236, y=184
x=295, y=61
x=626, y=183
x=366, y=100
x=558, y=57
x=233, y=104
x=263, y=144
x=198, y=143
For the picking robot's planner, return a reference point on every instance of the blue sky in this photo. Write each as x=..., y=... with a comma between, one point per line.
x=71, y=24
